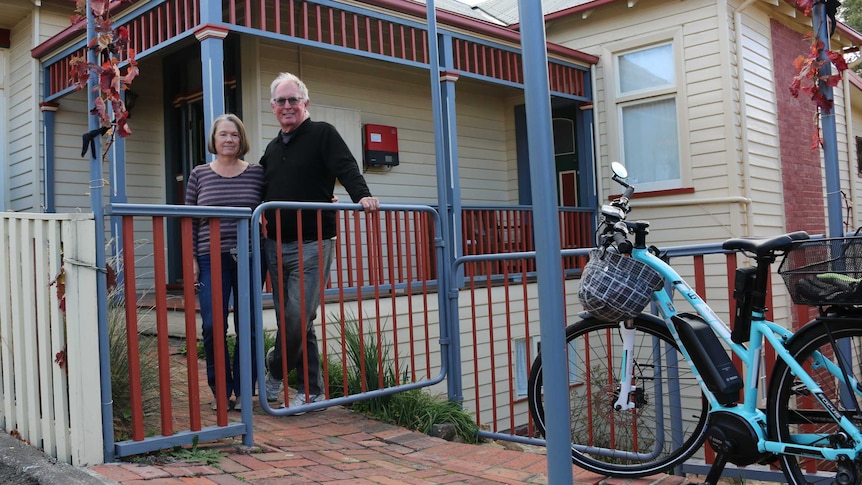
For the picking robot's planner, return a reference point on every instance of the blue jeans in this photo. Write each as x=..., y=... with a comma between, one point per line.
x=229, y=286
x=292, y=325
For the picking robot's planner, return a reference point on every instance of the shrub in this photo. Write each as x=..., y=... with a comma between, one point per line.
x=414, y=409
x=120, y=383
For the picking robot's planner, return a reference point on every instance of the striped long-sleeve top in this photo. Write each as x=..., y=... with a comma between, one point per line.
x=206, y=187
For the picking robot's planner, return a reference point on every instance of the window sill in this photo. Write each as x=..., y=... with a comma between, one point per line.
x=657, y=193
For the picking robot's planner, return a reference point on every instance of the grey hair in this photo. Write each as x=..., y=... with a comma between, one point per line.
x=286, y=77
x=243, y=138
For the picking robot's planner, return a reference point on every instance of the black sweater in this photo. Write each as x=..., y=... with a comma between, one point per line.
x=305, y=170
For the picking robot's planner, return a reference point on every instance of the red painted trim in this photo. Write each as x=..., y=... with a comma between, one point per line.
x=71, y=31
x=207, y=31
x=657, y=193
x=478, y=26
x=845, y=30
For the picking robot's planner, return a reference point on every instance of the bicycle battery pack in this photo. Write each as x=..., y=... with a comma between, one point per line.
x=715, y=367
x=743, y=293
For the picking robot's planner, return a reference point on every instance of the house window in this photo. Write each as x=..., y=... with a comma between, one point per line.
x=648, y=116
x=522, y=366
x=859, y=155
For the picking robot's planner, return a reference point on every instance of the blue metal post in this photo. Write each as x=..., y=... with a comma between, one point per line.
x=244, y=330
x=548, y=263
x=96, y=204
x=49, y=111
x=212, y=69
x=449, y=336
x=827, y=127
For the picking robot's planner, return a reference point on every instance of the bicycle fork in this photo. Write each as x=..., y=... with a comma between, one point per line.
x=629, y=396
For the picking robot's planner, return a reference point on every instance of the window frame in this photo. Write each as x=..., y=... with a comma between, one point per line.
x=617, y=101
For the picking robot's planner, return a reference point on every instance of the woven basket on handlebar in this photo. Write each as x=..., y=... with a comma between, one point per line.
x=821, y=272
x=615, y=287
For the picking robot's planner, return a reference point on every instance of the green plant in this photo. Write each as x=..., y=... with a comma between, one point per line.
x=414, y=409
x=370, y=366
x=120, y=380
x=192, y=454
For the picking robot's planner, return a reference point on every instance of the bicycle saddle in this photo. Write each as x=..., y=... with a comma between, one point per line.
x=763, y=246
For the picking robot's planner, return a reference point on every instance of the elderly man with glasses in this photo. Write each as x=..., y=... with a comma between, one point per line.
x=302, y=164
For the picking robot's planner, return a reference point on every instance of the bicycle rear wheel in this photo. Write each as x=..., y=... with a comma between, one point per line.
x=665, y=428
x=794, y=414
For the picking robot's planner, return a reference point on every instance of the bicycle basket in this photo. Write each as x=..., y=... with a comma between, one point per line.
x=821, y=272
x=615, y=287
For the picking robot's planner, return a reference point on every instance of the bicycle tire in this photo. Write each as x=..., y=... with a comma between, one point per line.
x=629, y=443
x=787, y=398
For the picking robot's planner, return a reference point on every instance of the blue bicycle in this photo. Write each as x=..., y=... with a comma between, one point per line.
x=645, y=391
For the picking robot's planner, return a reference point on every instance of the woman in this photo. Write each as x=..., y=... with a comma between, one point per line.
x=226, y=181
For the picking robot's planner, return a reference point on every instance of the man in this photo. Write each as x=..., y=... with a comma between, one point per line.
x=302, y=163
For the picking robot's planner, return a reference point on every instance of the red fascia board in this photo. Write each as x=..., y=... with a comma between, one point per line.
x=476, y=25
x=59, y=39
x=403, y=6
x=70, y=33
x=845, y=30
x=571, y=10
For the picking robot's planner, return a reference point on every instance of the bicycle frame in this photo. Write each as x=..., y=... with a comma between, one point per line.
x=761, y=330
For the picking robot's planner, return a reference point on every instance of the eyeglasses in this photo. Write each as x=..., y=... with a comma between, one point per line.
x=293, y=101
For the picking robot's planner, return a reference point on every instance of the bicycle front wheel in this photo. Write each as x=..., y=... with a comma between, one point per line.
x=665, y=427
x=796, y=416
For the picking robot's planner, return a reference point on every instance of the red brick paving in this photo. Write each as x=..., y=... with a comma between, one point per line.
x=340, y=447
x=353, y=450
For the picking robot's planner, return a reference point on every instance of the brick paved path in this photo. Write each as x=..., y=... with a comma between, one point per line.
x=341, y=447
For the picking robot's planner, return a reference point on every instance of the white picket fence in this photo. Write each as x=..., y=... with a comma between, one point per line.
x=49, y=359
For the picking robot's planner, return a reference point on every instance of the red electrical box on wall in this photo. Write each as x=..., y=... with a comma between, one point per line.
x=380, y=145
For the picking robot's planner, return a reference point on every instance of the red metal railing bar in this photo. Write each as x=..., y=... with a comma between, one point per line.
x=215, y=288
x=136, y=400
x=191, y=325
x=162, y=336
x=475, y=331
x=393, y=296
x=410, y=327
x=509, y=351
x=425, y=266
x=339, y=275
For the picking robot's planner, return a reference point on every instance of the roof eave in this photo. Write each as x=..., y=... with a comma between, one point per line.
x=479, y=26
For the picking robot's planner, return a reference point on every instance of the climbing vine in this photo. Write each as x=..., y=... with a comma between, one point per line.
x=808, y=80
x=110, y=45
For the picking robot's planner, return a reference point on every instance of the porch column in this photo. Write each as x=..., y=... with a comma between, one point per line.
x=450, y=347
x=48, y=119
x=211, y=38
x=450, y=142
x=586, y=162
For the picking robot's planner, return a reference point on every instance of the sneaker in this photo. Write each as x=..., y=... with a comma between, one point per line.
x=214, y=405
x=267, y=361
x=299, y=400
x=237, y=406
x=274, y=388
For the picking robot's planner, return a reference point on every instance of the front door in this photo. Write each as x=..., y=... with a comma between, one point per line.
x=566, y=157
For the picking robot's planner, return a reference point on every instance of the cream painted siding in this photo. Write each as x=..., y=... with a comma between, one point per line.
x=761, y=164
x=4, y=153
x=22, y=118
x=706, y=132
x=393, y=95
x=23, y=157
